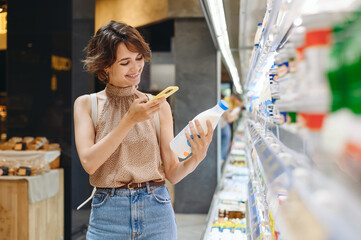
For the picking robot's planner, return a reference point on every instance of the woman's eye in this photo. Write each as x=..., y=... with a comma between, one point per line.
x=140, y=58
x=124, y=64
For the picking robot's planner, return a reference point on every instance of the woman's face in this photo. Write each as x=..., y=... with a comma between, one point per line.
x=126, y=70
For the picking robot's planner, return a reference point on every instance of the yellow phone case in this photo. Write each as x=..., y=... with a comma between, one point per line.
x=165, y=93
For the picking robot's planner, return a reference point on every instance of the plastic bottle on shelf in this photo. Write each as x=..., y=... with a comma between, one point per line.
x=298, y=39
x=273, y=78
x=282, y=72
x=289, y=84
x=265, y=97
x=226, y=234
x=239, y=235
x=282, y=64
x=256, y=46
x=266, y=15
x=215, y=234
x=180, y=145
x=316, y=95
x=290, y=48
x=335, y=70
x=258, y=34
x=352, y=64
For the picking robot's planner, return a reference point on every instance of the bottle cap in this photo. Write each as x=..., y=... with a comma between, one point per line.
x=223, y=104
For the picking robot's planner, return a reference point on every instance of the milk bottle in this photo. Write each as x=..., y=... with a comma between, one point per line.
x=180, y=145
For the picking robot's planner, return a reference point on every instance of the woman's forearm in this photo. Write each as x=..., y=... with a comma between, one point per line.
x=93, y=157
x=181, y=170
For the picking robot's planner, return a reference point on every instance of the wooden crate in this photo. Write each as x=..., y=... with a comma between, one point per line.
x=20, y=220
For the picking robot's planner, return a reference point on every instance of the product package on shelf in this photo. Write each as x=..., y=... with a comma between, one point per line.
x=228, y=220
x=28, y=156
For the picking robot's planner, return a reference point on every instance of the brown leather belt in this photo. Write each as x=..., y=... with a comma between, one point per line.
x=135, y=186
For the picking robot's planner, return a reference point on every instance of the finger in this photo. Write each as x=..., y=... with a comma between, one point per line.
x=153, y=111
x=190, y=140
x=156, y=102
x=142, y=99
x=140, y=103
x=194, y=135
x=200, y=129
x=155, y=107
x=192, y=128
x=210, y=129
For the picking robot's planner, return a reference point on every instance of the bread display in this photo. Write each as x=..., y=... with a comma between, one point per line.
x=22, y=166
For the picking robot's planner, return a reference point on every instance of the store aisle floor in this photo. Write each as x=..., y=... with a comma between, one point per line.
x=189, y=226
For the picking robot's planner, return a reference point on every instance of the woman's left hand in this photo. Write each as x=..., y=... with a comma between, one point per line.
x=200, y=141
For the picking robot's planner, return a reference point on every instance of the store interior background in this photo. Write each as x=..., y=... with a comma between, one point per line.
x=41, y=75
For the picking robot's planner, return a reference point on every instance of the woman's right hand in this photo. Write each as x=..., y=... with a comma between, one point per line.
x=140, y=110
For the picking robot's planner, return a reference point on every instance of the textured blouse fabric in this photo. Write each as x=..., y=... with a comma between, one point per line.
x=137, y=158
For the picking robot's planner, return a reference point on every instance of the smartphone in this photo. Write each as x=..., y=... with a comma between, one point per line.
x=165, y=93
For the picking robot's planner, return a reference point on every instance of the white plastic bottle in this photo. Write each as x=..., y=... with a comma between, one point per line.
x=180, y=145
x=258, y=34
x=235, y=111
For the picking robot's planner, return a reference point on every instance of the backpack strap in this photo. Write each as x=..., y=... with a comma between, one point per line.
x=157, y=125
x=156, y=120
x=94, y=102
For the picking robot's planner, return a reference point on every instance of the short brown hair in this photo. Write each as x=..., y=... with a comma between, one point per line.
x=102, y=47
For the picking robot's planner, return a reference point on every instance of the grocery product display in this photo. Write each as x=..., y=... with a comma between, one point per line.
x=28, y=156
x=302, y=129
x=227, y=215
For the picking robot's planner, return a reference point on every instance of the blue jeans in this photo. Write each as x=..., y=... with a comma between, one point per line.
x=118, y=214
x=225, y=140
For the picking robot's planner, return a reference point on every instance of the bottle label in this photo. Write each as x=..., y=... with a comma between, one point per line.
x=271, y=76
x=292, y=66
x=283, y=69
x=275, y=78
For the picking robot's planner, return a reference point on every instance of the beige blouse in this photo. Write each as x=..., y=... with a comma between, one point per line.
x=137, y=158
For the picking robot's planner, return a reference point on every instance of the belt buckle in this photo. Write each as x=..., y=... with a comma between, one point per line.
x=128, y=186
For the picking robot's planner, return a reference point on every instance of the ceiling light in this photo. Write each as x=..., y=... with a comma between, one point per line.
x=219, y=26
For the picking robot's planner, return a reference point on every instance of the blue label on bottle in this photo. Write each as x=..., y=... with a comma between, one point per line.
x=266, y=109
x=192, y=138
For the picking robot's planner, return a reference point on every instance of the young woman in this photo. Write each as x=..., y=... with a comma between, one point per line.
x=118, y=148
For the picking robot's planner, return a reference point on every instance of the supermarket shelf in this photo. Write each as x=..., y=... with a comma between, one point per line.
x=230, y=173
x=292, y=140
x=285, y=134
x=321, y=201
x=335, y=207
x=264, y=37
x=211, y=215
x=281, y=18
x=213, y=212
x=329, y=203
x=273, y=171
x=248, y=220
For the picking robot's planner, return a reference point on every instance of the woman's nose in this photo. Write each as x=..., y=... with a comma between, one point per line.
x=135, y=66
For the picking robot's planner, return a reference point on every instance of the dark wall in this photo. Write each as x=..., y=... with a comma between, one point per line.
x=82, y=83
x=3, y=71
x=38, y=30
x=159, y=35
x=198, y=76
